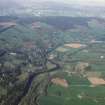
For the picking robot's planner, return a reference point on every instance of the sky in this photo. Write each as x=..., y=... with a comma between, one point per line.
x=101, y=2
x=82, y=2
x=90, y=2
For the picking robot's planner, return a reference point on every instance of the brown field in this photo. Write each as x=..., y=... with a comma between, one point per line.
x=75, y=45
x=61, y=49
x=96, y=81
x=93, y=74
x=7, y=24
x=29, y=45
x=59, y=81
x=36, y=25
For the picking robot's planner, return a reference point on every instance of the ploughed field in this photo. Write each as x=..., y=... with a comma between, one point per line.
x=52, y=61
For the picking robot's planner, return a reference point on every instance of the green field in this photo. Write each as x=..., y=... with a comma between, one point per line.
x=39, y=45
x=79, y=91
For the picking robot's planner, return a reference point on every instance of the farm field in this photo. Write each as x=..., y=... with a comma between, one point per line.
x=83, y=69
x=50, y=64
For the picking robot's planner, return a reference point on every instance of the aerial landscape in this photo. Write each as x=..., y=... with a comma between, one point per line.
x=52, y=53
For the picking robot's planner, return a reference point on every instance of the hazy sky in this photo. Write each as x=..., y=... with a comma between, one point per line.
x=92, y=2
x=102, y=2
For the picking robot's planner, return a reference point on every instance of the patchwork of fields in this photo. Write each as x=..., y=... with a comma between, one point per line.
x=52, y=64
x=83, y=69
